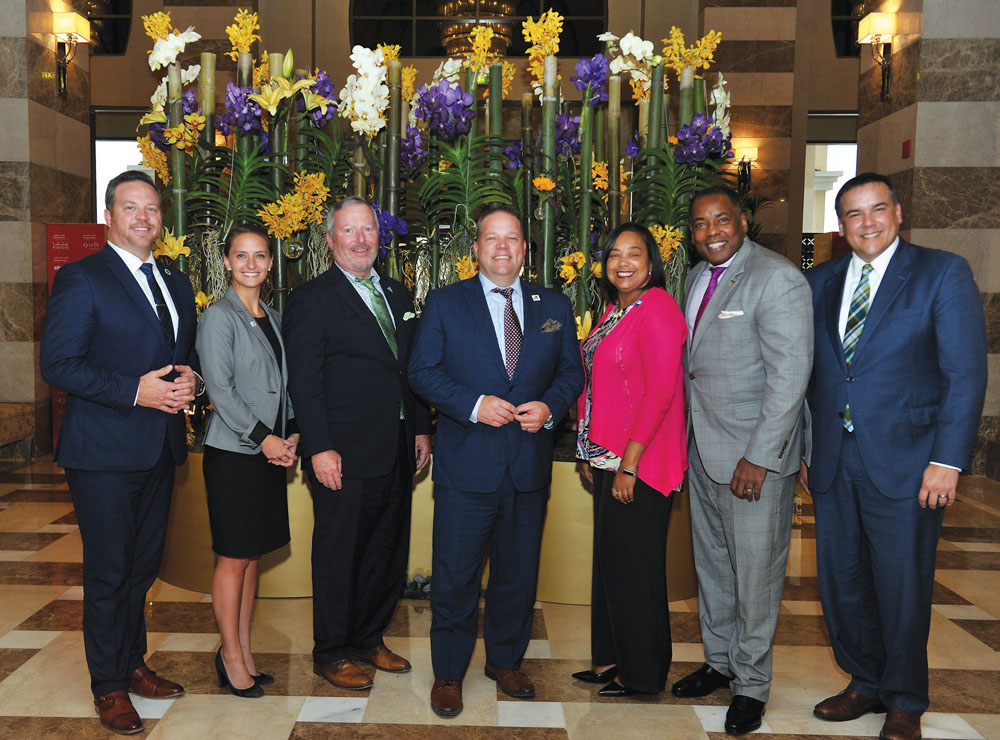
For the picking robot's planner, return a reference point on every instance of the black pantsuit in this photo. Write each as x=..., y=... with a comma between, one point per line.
x=361, y=543
x=630, y=620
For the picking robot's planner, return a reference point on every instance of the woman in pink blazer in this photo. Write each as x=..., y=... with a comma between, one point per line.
x=632, y=441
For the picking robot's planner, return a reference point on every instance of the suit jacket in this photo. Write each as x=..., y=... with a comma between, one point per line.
x=637, y=389
x=243, y=379
x=101, y=334
x=457, y=358
x=346, y=384
x=748, y=365
x=918, y=379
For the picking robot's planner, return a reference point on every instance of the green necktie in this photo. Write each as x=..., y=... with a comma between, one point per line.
x=381, y=313
x=858, y=312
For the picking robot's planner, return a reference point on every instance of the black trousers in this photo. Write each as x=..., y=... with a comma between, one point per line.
x=123, y=524
x=629, y=618
x=360, y=547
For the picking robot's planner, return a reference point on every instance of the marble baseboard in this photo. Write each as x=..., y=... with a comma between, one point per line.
x=905, y=73
x=769, y=121
x=960, y=70
x=756, y=56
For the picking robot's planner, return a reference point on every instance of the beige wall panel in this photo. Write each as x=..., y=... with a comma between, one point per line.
x=13, y=19
x=209, y=21
x=58, y=141
x=287, y=25
x=979, y=246
x=17, y=372
x=958, y=134
x=880, y=144
x=663, y=14
x=15, y=251
x=759, y=88
x=14, y=146
x=967, y=19
x=751, y=24
x=832, y=80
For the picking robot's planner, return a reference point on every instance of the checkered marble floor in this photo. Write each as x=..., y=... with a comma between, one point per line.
x=44, y=683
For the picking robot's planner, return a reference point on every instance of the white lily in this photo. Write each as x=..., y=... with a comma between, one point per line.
x=165, y=51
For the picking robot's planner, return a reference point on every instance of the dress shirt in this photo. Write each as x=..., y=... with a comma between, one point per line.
x=496, y=304
x=133, y=264
x=698, y=292
x=363, y=291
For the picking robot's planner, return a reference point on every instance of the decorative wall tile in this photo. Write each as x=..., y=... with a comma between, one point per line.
x=14, y=200
x=903, y=182
x=960, y=69
x=905, y=72
x=58, y=197
x=756, y=56
x=16, y=314
x=956, y=198
x=761, y=120
x=986, y=454
x=13, y=68
x=991, y=308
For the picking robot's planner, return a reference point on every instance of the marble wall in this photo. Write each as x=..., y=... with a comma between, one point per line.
x=946, y=101
x=45, y=177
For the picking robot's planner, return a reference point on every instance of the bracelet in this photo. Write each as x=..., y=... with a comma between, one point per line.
x=626, y=471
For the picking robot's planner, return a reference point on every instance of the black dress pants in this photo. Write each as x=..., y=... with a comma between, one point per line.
x=629, y=618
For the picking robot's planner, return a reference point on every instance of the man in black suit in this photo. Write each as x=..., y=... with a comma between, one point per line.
x=348, y=335
x=119, y=336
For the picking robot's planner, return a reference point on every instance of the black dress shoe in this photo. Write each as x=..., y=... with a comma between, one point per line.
x=616, y=689
x=589, y=676
x=744, y=715
x=702, y=682
x=262, y=679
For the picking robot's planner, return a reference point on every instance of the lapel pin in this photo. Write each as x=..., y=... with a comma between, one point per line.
x=535, y=297
x=253, y=323
x=166, y=271
x=732, y=282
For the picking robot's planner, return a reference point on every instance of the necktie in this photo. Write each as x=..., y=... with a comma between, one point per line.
x=381, y=313
x=161, y=305
x=713, y=283
x=856, y=315
x=512, y=336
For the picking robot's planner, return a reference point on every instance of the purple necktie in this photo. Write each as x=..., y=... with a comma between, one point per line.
x=512, y=336
x=712, y=283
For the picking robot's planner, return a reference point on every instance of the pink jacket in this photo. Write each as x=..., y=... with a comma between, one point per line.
x=638, y=389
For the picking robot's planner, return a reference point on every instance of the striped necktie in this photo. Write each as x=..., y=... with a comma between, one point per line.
x=381, y=311
x=858, y=312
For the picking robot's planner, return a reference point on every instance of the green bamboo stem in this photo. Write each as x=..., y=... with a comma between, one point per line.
x=655, y=112
x=391, y=160
x=586, y=191
x=471, y=86
x=435, y=256
x=686, y=102
x=178, y=158
x=614, y=151
x=495, y=118
x=600, y=126
x=527, y=215
x=279, y=274
x=699, y=96
x=360, y=180
x=550, y=105
x=643, y=123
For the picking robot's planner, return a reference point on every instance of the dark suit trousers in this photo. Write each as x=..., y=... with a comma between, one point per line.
x=123, y=524
x=875, y=562
x=360, y=546
x=629, y=617
x=508, y=523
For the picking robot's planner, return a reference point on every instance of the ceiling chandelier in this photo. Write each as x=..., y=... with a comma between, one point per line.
x=455, y=34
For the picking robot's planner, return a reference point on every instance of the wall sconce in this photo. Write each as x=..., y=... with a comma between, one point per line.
x=70, y=29
x=878, y=29
x=746, y=156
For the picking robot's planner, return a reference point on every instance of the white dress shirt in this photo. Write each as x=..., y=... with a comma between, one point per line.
x=698, y=292
x=133, y=264
x=496, y=304
x=366, y=296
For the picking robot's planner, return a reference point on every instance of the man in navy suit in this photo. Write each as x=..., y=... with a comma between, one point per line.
x=499, y=359
x=896, y=395
x=119, y=336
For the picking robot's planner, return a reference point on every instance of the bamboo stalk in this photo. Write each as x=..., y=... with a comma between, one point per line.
x=655, y=112
x=600, y=126
x=494, y=119
x=279, y=152
x=643, y=123
x=527, y=215
x=244, y=79
x=614, y=151
x=391, y=160
x=699, y=96
x=550, y=105
x=686, y=103
x=471, y=86
x=586, y=191
x=178, y=165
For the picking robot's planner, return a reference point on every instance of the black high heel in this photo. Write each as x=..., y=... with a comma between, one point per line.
x=262, y=679
x=616, y=689
x=590, y=676
x=252, y=692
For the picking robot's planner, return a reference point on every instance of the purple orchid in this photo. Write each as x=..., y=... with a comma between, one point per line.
x=593, y=74
x=388, y=225
x=514, y=154
x=567, y=135
x=239, y=115
x=699, y=140
x=412, y=150
x=632, y=145
x=447, y=109
x=322, y=86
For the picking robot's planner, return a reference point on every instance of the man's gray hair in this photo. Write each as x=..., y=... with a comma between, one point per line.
x=350, y=200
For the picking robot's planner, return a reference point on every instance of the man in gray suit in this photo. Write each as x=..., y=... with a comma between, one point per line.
x=749, y=356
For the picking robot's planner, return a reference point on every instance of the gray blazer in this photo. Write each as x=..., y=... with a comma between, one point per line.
x=749, y=364
x=242, y=378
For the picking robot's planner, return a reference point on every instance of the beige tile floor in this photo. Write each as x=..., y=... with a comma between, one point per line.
x=44, y=683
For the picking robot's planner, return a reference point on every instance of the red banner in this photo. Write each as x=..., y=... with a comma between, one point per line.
x=68, y=243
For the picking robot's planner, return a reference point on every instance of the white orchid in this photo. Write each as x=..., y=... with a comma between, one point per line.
x=159, y=96
x=449, y=70
x=721, y=101
x=165, y=51
x=190, y=74
x=632, y=45
x=365, y=96
x=607, y=37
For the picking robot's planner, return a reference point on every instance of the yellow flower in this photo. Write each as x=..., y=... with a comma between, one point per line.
x=155, y=159
x=203, y=301
x=567, y=272
x=155, y=115
x=667, y=238
x=599, y=171
x=543, y=36
x=597, y=270
x=409, y=78
x=194, y=122
x=466, y=268
x=242, y=32
x=583, y=326
x=543, y=184
x=506, y=78
x=674, y=141
x=279, y=89
x=293, y=211
x=157, y=25
x=623, y=176
x=262, y=71
x=390, y=51
x=700, y=55
x=314, y=100
x=639, y=89
x=170, y=246
x=482, y=54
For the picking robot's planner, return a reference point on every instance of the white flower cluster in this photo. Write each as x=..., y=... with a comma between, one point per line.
x=365, y=96
x=635, y=56
x=165, y=51
x=720, y=99
x=189, y=75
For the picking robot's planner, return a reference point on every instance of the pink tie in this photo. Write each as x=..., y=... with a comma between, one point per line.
x=712, y=283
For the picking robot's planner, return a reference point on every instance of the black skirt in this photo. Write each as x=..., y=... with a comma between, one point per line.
x=247, y=503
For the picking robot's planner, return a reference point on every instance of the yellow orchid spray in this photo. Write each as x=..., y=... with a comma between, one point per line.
x=466, y=268
x=242, y=33
x=677, y=56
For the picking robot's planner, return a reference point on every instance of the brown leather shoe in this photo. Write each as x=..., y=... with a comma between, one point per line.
x=117, y=713
x=144, y=682
x=343, y=674
x=382, y=658
x=847, y=705
x=900, y=726
x=446, y=698
x=512, y=682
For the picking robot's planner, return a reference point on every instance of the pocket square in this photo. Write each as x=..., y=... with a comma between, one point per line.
x=729, y=314
x=550, y=326
x=409, y=315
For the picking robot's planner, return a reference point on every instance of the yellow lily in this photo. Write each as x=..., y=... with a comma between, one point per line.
x=155, y=115
x=171, y=246
x=203, y=301
x=583, y=326
x=315, y=100
x=279, y=89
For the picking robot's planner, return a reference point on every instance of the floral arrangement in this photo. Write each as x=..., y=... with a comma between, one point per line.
x=294, y=211
x=169, y=42
x=446, y=108
x=633, y=55
x=700, y=55
x=543, y=35
x=366, y=96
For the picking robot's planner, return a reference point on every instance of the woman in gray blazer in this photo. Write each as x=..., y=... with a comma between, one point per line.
x=250, y=441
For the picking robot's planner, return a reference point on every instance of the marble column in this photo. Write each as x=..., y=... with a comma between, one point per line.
x=45, y=177
x=945, y=100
